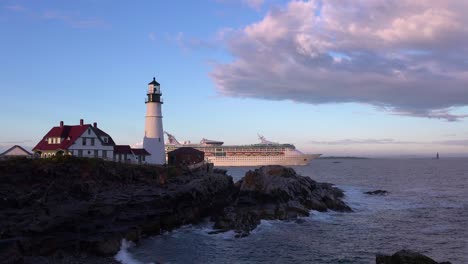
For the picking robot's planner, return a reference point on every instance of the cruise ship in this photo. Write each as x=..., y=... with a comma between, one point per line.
x=264, y=153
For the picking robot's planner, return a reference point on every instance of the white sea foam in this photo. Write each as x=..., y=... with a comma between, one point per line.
x=320, y=216
x=124, y=257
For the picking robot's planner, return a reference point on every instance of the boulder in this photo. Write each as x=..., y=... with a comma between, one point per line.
x=377, y=192
x=10, y=252
x=276, y=192
x=406, y=257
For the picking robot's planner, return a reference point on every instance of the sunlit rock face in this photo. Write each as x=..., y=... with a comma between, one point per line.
x=276, y=192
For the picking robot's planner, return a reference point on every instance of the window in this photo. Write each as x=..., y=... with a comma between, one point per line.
x=89, y=152
x=96, y=153
x=84, y=141
x=92, y=141
x=105, y=139
x=80, y=153
x=104, y=153
x=89, y=131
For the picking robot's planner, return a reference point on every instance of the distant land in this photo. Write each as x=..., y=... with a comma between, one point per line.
x=338, y=157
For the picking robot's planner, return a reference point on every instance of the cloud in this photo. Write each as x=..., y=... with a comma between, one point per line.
x=138, y=145
x=390, y=141
x=192, y=43
x=74, y=19
x=152, y=36
x=254, y=4
x=16, y=8
x=381, y=141
x=405, y=57
x=454, y=142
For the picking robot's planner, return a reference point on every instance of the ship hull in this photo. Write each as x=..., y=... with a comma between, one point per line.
x=241, y=161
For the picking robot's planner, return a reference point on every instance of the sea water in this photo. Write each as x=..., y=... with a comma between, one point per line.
x=426, y=210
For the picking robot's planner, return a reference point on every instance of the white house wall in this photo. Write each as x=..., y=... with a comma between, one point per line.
x=88, y=150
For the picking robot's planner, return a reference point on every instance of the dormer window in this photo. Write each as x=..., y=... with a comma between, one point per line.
x=105, y=139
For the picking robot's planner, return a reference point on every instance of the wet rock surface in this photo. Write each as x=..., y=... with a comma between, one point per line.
x=276, y=192
x=406, y=257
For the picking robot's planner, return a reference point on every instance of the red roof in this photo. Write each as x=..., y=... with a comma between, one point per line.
x=69, y=134
x=122, y=149
x=140, y=152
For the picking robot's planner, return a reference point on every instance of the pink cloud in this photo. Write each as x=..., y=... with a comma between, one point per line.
x=403, y=56
x=255, y=4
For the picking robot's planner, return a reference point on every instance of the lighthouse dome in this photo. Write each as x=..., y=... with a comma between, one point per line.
x=154, y=82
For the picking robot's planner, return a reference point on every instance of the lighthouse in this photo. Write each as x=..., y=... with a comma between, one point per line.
x=153, y=141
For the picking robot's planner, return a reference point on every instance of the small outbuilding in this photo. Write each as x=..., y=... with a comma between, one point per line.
x=124, y=153
x=14, y=152
x=185, y=156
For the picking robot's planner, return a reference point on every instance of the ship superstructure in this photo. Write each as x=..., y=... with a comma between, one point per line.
x=264, y=153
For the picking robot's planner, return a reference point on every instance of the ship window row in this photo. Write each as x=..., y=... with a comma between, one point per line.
x=233, y=149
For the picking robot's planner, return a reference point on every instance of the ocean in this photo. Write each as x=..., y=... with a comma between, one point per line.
x=426, y=210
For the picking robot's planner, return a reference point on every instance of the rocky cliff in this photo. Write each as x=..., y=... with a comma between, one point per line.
x=89, y=205
x=276, y=192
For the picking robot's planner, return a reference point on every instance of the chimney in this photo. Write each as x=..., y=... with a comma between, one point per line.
x=95, y=124
x=61, y=123
x=81, y=122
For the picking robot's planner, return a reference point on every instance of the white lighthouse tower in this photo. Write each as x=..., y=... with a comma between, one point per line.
x=153, y=141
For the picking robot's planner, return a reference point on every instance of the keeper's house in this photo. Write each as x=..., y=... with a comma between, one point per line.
x=83, y=140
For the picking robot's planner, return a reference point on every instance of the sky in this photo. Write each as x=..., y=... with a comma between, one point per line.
x=366, y=78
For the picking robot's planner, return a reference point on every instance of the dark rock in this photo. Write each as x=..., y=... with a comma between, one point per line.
x=276, y=192
x=299, y=221
x=406, y=257
x=90, y=205
x=10, y=252
x=108, y=246
x=377, y=192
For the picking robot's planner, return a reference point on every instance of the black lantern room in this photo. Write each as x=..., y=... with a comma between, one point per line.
x=154, y=92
